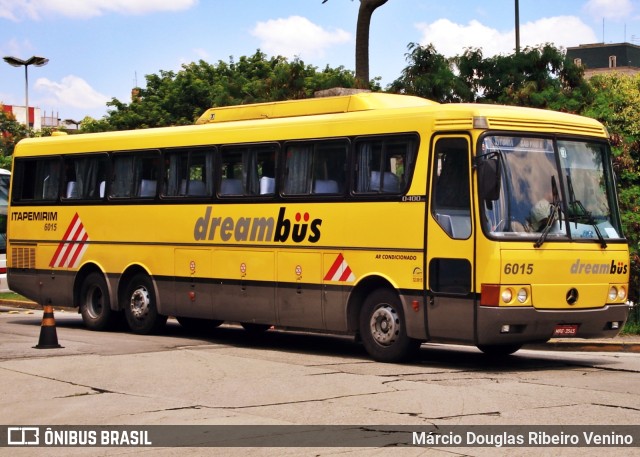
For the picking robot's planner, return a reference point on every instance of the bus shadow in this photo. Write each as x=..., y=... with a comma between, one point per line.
x=293, y=341
x=447, y=356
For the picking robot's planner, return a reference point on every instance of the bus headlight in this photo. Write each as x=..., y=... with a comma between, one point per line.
x=617, y=293
x=506, y=295
x=622, y=294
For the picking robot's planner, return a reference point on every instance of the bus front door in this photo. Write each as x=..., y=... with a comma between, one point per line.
x=450, y=307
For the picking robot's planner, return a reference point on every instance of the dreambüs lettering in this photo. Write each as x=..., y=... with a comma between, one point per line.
x=258, y=229
x=599, y=268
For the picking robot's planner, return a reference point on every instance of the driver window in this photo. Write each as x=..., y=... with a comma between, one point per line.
x=450, y=197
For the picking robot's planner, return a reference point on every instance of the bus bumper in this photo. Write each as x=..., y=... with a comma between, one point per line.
x=501, y=325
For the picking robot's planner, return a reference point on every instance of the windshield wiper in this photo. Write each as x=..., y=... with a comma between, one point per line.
x=554, y=213
x=578, y=213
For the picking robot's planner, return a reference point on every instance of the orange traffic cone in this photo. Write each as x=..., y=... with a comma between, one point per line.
x=48, y=336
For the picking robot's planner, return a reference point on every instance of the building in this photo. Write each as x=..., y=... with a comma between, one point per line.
x=36, y=119
x=599, y=58
x=35, y=122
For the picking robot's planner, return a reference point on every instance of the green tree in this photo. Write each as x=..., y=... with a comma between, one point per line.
x=429, y=75
x=615, y=103
x=11, y=131
x=91, y=125
x=171, y=98
x=540, y=77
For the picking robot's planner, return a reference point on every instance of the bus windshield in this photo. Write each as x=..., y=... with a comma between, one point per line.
x=552, y=189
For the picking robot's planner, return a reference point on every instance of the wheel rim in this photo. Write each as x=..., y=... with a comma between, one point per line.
x=94, y=302
x=140, y=303
x=385, y=325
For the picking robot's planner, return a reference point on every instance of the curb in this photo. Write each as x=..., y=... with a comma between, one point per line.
x=20, y=304
x=617, y=344
x=26, y=304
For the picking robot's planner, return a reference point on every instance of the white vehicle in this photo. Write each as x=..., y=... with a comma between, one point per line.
x=5, y=177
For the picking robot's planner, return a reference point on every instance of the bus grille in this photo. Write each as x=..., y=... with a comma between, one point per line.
x=23, y=257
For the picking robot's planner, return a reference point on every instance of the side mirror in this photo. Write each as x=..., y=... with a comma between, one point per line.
x=489, y=177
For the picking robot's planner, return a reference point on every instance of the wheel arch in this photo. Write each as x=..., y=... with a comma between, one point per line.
x=358, y=295
x=125, y=278
x=81, y=276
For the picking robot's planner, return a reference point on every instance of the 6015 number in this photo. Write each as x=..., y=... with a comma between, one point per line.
x=518, y=269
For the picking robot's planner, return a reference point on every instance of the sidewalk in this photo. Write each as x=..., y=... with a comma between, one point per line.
x=621, y=343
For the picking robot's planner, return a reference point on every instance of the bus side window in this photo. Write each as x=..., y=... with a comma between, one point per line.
x=248, y=170
x=316, y=168
x=188, y=173
x=298, y=161
x=451, y=202
x=384, y=165
x=134, y=175
x=329, y=173
x=85, y=177
x=264, y=170
x=37, y=179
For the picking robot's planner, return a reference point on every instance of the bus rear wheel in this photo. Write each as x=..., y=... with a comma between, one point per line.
x=140, y=307
x=383, y=330
x=95, y=305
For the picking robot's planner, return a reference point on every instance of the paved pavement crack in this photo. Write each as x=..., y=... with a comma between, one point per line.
x=178, y=408
x=488, y=413
x=326, y=373
x=616, y=406
x=95, y=390
x=297, y=402
x=603, y=368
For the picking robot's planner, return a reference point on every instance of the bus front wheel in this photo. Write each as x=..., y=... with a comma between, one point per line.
x=95, y=306
x=383, y=330
x=140, y=307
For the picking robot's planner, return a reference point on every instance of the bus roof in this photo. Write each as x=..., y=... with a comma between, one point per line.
x=446, y=116
x=312, y=106
x=340, y=115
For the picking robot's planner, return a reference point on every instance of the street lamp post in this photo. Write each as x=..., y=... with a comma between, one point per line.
x=15, y=62
x=517, y=26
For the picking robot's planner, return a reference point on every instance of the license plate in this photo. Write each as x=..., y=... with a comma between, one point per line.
x=565, y=331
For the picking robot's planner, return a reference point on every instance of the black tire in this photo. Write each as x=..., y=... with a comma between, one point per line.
x=140, y=306
x=499, y=350
x=198, y=325
x=95, y=305
x=383, y=329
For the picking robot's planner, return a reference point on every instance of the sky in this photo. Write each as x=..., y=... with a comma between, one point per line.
x=101, y=49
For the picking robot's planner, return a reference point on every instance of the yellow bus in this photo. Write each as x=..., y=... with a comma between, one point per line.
x=392, y=218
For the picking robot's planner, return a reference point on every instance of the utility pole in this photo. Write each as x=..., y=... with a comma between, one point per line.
x=517, y=26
